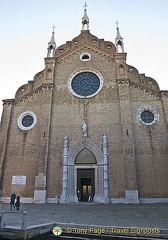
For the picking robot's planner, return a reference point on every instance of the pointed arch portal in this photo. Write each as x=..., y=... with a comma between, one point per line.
x=85, y=169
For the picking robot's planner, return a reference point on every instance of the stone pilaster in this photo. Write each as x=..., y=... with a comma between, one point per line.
x=65, y=171
x=4, y=132
x=40, y=193
x=49, y=70
x=106, y=170
x=128, y=142
x=164, y=97
x=121, y=66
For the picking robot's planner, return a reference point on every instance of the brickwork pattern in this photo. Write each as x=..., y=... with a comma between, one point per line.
x=137, y=152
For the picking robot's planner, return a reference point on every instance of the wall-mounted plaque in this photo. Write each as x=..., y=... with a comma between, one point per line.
x=19, y=180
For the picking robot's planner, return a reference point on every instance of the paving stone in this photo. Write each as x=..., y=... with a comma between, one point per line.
x=139, y=215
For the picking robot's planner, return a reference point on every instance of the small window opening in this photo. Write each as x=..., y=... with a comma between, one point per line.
x=119, y=47
x=27, y=121
x=147, y=117
x=85, y=57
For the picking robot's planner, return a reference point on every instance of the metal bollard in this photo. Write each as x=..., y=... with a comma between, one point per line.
x=24, y=221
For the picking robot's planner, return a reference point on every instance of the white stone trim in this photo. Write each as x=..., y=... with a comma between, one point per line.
x=19, y=120
x=40, y=196
x=50, y=200
x=141, y=200
x=55, y=200
x=131, y=196
x=22, y=200
x=88, y=144
x=118, y=200
x=153, y=110
x=65, y=171
x=85, y=70
x=153, y=200
x=72, y=170
x=85, y=53
x=113, y=200
x=106, y=170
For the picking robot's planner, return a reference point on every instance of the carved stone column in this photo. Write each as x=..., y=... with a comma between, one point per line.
x=65, y=171
x=106, y=169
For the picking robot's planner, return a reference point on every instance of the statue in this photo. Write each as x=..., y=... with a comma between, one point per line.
x=84, y=127
x=105, y=140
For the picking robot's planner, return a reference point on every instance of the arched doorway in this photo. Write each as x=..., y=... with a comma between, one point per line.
x=85, y=155
x=85, y=176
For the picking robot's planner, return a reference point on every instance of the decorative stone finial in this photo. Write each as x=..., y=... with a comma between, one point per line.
x=65, y=140
x=85, y=19
x=51, y=45
x=104, y=139
x=119, y=41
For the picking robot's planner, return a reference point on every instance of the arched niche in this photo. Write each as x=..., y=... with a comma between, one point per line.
x=85, y=157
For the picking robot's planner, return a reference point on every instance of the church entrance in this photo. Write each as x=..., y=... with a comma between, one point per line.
x=85, y=184
x=83, y=173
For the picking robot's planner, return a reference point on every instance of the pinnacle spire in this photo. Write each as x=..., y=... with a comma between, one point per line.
x=51, y=45
x=85, y=19
x=119, y=40
x=118, y=32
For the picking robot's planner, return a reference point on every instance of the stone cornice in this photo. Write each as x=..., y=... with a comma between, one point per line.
x=83, y=46
x=8, y=102
x=164, y=94
x=144, y=89
x=127, y=82
x=32, y=94
x=123, y=82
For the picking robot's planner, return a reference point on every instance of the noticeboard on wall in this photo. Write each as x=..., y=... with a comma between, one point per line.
x=21, y=180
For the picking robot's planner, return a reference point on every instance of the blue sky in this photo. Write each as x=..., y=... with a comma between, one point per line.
x=26, y=26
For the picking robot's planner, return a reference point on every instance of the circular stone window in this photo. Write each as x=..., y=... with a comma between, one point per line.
x=85, y=83
x=147, y=117
x=27, y=120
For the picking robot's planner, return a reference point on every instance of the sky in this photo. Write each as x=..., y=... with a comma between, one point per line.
x=26, y=27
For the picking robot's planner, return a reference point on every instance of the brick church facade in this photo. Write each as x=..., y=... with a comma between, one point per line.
x=88, y=127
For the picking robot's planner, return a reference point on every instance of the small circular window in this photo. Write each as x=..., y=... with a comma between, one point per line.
x=27, y=120
x=147, y=117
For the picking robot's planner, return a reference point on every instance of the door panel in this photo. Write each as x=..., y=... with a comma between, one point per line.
x=85, y=184
x=86, y=189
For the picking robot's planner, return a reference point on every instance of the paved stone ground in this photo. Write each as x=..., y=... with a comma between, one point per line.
x=121, y=215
